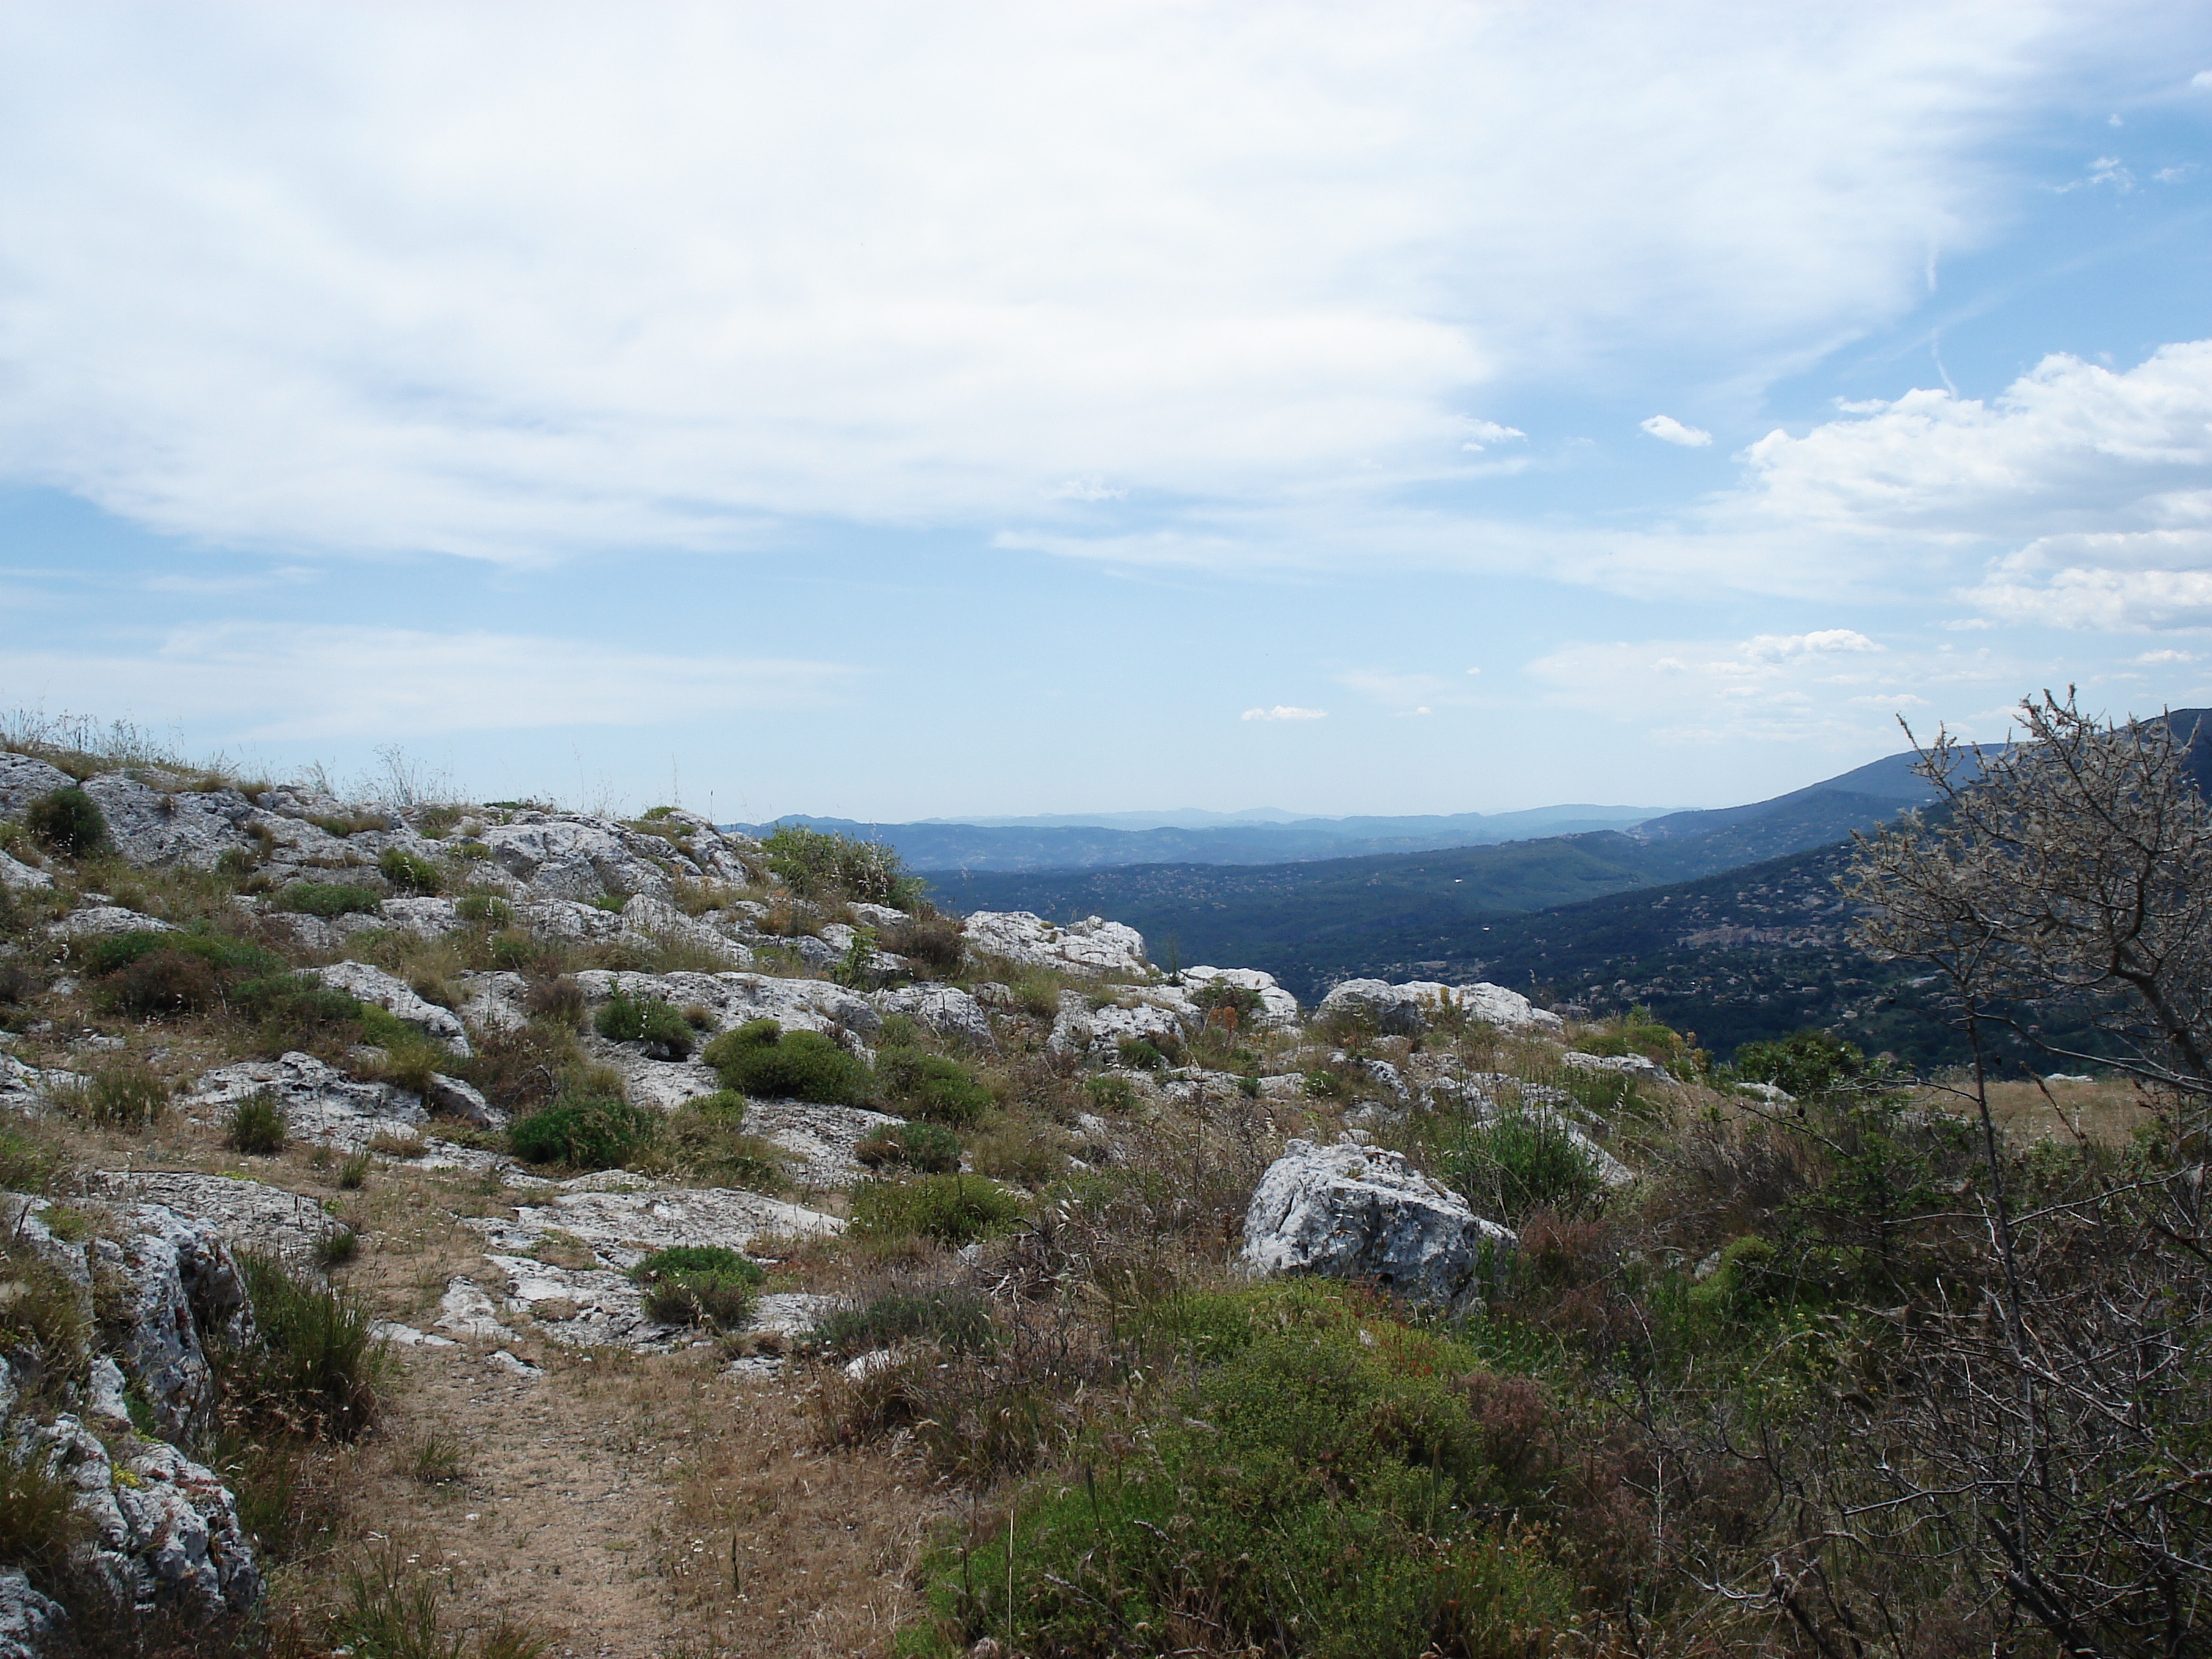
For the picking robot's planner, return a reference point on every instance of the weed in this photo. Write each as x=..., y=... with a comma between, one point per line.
x=338, y=1247
x=256, y=1125
x=705, y=1142
x=39, y=1521
x=1139, y=1055
x=1520, y=1161
x=560, y=1000
x=353, y=1174
x=407, y=871
x=438, y=1461
x=1109, y=1095
x=67, y=822
x=582, y=1132
x=952, y=1209
x=317, y=1363
x=928, y=938
x=698, y=1284
x=122, y=1093
x=666, y=1033
x=484, y=910
x=761, y=1058
x=329, y=899
x=25, y=1165
x=957, y=1320
x=929, y=1147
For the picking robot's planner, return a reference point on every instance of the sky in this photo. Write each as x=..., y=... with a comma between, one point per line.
x=887, y=411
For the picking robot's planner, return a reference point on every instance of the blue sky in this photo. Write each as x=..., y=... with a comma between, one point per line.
x=891, y=412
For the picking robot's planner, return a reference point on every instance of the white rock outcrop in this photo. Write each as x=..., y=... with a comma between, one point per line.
x=1093, y=946
x=944, y=1009
x=15, y=873
x=1277, y=1007
x=1356, y=1212
x=24, y=780
x=364, y=983
x=319, y=1102
x=1409, y=1009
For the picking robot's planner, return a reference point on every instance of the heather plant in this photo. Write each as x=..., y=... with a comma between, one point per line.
x=761, y=1058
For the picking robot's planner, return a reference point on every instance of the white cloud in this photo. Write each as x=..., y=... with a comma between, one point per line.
x=1668, y=429
x=421, y=277
x=276, y=682
x=1284, y=712
x=1486, y=433
x=1777, y=648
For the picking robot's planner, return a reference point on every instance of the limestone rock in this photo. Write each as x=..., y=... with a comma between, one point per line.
x=1083, y=1031
x=321, y=1103
x=819, y=1138
x=100, y=921
x=24, y=779
x=806, y=1004
x=162, y=828
x=1093, y=946
x=1277, y=1007
x=175, y=1286
x=28, y=1619
x=944, y=1009
x=15, y=874
x=243, y=1215
x=364, y=983
x=448, y=1096
x=1642, y=1065
x=655, y=921
x=577, y=858
x=1409, y=1009
x=426, y=918
x=1356, y=1212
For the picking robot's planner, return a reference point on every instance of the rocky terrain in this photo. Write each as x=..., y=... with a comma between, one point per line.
x=444, y=1227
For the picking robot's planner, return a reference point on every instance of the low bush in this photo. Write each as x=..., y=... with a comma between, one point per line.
x=761, y=1058
x=1520, y=1161
x=931, y=1087
x=1803, y=1064
x=256, y=1125
x=666, y=1033
x=952, y=1209
x=407, y=871
x=161, y=984
x=316, y=1363
x=583, y=1132
x=698, y=1284
x=1139, y=1055
x=1110, y=1095
x=297, y=1009
x=1328, y=1484
x=929, y=938
x=353, y=1174
x=704, y=1142
x=25, y=1166
x=125, y=1094
x=821, y=863
x=929, y=1147
x=328, y=899
x=956, y=1319
x=67, y=822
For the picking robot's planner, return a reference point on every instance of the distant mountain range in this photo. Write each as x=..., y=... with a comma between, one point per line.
x=1260, y=836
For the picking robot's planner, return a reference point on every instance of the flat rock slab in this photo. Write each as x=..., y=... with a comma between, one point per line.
x=321, y=1103
x=821, y=1138
x=245, y=1214
x=623, y=1228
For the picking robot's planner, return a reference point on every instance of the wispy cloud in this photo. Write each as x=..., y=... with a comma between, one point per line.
x=1284, y=712
x=272, y=682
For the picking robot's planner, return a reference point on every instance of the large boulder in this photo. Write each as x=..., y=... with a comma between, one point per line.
x=1084, y=1032
x=1358, y=1213
x=319, y=1102
x=24, y=779
x=576, y=858
x=15, y=873
x=161, y=827
x=944, y=1009
x=1409, y=1009
x=1093, y=946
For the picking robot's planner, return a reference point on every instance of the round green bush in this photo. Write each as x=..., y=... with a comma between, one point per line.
x=665, y=1032
x=952, y=1209
x=761, y=1060
x=931, y=1087
x=584, y=1132
x=67, y=822
x=698, y=1284
x=1521, y=1162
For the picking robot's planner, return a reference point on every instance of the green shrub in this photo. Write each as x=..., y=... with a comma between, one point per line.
x=407, y=871
x=1332, y=1483
x=485, y=910
x=957, y=1320
x=1520, y=1161
x=1139, y=1055
x=665, y=1032
x=698, y=1284
x=1803, y=1064
x=952, y=1209
x=1109, y=1095
x=67, y=822
x=929, y=1147
x=256, y=1125
x=295, y=1009
x=113, y=952
x=821, y=863
x=584, y=1133
x=931, y=1087
x=338, y=1247
x=164, y=983
x=317, y=1363
x=762, y=1060
x=328, y=899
